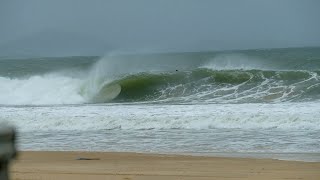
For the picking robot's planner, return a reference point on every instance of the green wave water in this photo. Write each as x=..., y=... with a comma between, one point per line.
x=206, y=85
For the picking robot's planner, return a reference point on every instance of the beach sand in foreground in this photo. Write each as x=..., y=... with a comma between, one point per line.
x=134, y=166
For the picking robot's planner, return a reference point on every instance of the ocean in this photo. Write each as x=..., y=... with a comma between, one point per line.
x=261, y=103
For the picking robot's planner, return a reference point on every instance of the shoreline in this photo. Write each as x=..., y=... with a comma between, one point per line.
x=296, y=156
x=282, y=156
x=127, y=165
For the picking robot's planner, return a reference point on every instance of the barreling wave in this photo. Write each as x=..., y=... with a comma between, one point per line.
x=218, y=86
x=256, y=76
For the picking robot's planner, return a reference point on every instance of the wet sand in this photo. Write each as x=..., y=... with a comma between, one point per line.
x=133, y=166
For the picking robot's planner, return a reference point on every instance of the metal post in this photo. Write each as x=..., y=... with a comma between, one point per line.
x=4, y=171
x=7, y=150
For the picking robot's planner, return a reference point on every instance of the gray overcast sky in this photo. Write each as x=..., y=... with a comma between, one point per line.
x=166, y=25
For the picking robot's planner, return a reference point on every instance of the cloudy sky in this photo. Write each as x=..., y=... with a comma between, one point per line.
x=97, y=26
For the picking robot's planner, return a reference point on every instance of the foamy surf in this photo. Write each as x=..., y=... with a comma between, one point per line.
x=39, y=90
x=201, y=129
x=259, y=101
x=286, y=116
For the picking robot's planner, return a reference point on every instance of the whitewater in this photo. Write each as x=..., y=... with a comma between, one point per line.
x=261, y=103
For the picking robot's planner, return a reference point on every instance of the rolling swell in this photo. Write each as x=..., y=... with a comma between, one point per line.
x=220, y=86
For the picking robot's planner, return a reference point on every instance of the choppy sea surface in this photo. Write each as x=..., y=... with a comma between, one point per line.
x=252, y=103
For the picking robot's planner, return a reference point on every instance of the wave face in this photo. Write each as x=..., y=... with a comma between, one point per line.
x=252, y=76
x=235, y=86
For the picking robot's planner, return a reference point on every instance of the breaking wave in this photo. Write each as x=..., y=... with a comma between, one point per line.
x=206, y=85
x=179, y=78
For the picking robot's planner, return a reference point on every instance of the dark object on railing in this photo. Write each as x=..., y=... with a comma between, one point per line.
x=7, y=150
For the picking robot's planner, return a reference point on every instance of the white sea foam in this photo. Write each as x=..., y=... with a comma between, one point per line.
x=46, y=89
x=63, y=87
x=243, y=116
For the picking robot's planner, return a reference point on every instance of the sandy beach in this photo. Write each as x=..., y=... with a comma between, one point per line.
x=134, y=166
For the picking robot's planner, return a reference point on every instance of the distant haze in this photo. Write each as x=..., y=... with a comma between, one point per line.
x=95, y=27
